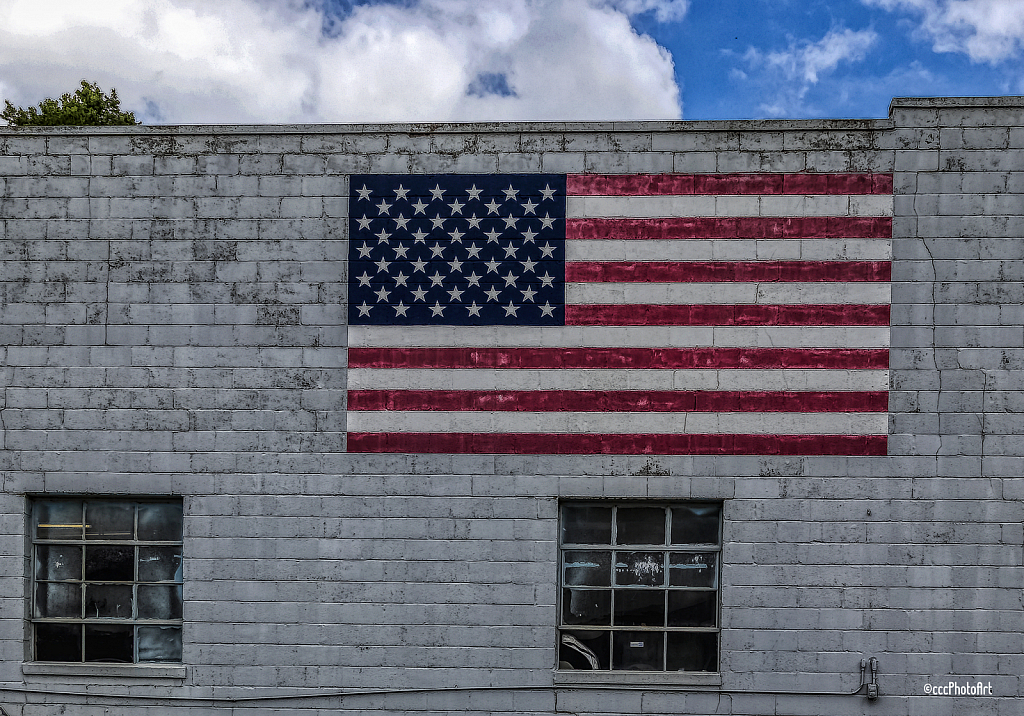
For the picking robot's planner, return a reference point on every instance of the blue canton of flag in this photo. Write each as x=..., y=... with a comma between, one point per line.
x=457, y=250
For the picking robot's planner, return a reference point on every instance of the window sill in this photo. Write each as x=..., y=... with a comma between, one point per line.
x=135, y=671
x=639, y=678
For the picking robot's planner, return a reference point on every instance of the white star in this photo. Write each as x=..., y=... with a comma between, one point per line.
x=400, y=279
x=492, y=265
x=457, y=235
x=510, y=310
x=528, y=294
x=492, y=207
x=547, y=222
x=437, y=309
x=400, y=192
x=456, y=265
x=436, y=192
x=420, y=294
x=474, y=223
x=438, y=222
x=510, y=222
x=529, y=235
x=364, y=223
x=510, y=251
x=437, y=279
x=473, y=252
x=364, y=310
x=383, y=206
x=364, y=193
x=510, y=280
x=529, y=206
x=492, y=294
x=546, y=280
x=420, y=236
x=401, y=310
x=419, y=265
x=474, y=310
x=528, y=265
x=382, y=266
x=400, y=251
x=419, y=207
x=437, y=250
x=364, y=280
x=547, y=251
x=548, y=192
x=492, y=235
x=364, y=252
x=456, y=206
x=401, y=221
x=510, y=193
x=456, y=293
x=382, y=237
x=474, y=193
x=547, y=310
x=473, y=279
x=382, y=294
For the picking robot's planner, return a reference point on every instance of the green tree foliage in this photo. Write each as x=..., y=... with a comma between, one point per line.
x=88, y=106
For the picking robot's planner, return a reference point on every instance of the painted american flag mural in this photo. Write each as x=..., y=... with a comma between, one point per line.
x=620, y=314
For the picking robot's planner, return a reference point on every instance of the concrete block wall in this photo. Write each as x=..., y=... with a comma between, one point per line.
x=173, y=314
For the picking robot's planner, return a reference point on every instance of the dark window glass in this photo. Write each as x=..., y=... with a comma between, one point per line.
x=109, y=642
x=59, y=520
x=58, y=642
x=640, y=607
x=586, y=650
x=640, y=568
x=695, y=524
x=159, y=643
x=692, y=651
x=586, y=524
x=640, y=525
x=638, y=650
x=110, y=521
x=58, y=562
x=587, y=606
x=111, y=563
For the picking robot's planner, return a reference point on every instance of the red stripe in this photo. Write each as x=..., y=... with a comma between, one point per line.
x=636, y=358
x=628, y=444
x=669, y=184
x=725, y=315
x=742, y=227
x=710, y=271
x=627, y=401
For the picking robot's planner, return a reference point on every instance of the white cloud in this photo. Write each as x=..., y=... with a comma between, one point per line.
x=985, y=30
x=787, y=75
x=192, y=61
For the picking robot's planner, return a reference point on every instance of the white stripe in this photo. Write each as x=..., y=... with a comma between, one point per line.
x=728, y=250
x=771, y=379
x=707, y=205
x=619, y=423
x=728, y=293
x=617, y=336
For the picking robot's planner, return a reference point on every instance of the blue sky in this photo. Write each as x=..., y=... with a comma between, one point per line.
x=267, y=61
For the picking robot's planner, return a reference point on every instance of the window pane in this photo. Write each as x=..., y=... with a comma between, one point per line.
x=640, y=525
x=58, y=600
x=108, y=601
x=160, y=522
x=109, y=642
x=583, y=650
x=159, y=564
x=110, y=520
x=58, y=561
x=593, y=569
x=693, y=569
x=113, y=563
x=159, y=601
x=58, y=642
x=59, y=520
x=695, y=524
x=586, y=524
x=692, y=652
x=586, y=606
x=638, y=650
x=159, y=643
x=692, y=609
x=639, y=607
x=643, y=568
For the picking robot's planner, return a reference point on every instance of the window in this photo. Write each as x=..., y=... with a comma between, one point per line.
x=106, y=580
x=639, y=586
